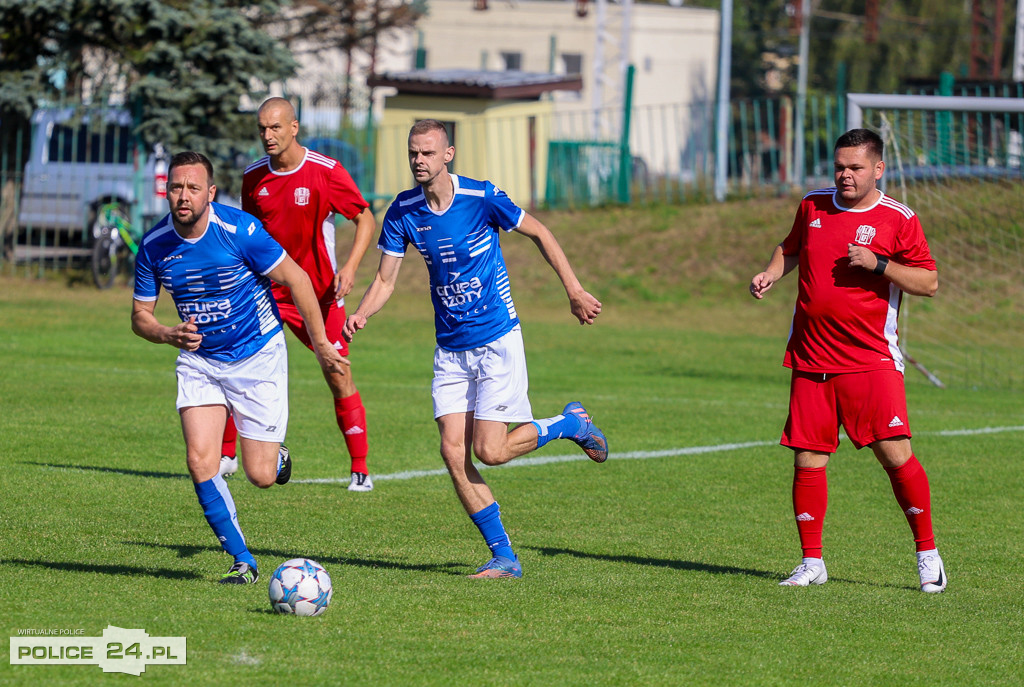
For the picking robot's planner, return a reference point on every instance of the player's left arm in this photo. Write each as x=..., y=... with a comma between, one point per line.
x=288, y=273
x=917, y=281
x=345, y=278
x=584, y=306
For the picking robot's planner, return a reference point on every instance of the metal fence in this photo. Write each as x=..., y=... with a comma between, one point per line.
x=577, y=159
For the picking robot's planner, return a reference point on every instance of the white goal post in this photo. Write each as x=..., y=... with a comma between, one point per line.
x=856, y=103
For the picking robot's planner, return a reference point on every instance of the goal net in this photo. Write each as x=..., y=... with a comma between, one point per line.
x=958, y=163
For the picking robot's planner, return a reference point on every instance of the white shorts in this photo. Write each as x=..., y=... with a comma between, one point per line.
x=255, y=389
x=490, y=381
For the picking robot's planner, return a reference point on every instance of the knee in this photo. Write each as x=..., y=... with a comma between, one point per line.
x=201, y=468
x=452, y=454
x=261, y=480
x=488, y=455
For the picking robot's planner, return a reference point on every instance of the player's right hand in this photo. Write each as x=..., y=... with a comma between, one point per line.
x=353, y=323
x=760, y=284
x=185, y=335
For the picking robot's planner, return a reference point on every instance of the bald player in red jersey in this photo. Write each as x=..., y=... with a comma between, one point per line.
x=858, y=251
x=296, y=193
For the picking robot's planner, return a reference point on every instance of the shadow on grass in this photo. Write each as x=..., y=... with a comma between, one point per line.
x=118, y=471
x=657, y=562
x=187, y=551
x=106, y=569
x=694, y=566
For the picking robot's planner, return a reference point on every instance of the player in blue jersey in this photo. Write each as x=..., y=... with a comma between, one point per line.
x=216, y=262
x=480, y=379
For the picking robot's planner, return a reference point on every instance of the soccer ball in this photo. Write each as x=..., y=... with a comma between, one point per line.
x=300, y=586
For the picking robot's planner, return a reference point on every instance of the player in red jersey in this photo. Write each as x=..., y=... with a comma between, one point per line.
x=296, y=192
x=858, y=251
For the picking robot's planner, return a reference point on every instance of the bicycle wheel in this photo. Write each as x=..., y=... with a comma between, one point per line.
x=104, y=261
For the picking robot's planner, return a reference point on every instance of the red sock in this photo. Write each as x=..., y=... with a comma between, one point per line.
x=910, y=485
x=810, y=501
x=227, y=447
x=351, y=416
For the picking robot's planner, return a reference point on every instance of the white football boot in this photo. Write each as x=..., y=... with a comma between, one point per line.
x=932, y=571
x=228, y=465
x=360, y=482
x=810, y=571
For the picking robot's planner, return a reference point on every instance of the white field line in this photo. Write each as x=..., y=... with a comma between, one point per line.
x=635, y=455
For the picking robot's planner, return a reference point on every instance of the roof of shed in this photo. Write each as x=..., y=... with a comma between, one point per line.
x=474, y=83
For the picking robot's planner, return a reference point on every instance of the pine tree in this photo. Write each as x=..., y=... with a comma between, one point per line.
x=186, y=68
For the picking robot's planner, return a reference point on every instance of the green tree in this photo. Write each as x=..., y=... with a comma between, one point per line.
x=914, y=40
x=185, y=67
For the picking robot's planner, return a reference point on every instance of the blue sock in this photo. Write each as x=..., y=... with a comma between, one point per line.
x=220, y=512
x=488, y=521
x=557, y=427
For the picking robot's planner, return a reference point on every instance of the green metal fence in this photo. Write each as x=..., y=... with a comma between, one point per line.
x=579, y=159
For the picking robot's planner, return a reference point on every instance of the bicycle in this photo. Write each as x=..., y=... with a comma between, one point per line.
x=115, y=245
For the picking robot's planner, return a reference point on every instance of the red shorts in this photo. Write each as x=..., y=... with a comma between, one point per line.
x=334, y=321
x=869, y=405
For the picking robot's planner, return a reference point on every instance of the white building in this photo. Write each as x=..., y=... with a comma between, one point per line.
x=674, y=51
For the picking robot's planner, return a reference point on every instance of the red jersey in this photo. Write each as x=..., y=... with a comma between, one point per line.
x=845, y=317
x=298, y=207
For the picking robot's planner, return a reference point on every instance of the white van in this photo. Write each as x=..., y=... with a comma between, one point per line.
x=77, y=164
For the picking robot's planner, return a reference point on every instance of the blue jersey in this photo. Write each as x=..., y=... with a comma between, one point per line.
x=469, y=285
x=219, y=278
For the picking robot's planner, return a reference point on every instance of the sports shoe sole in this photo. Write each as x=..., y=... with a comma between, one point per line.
x=493, y=573
x=242, y=577
x=494, y=568
x=597, y=450
x=286, y=467
x=228, y=467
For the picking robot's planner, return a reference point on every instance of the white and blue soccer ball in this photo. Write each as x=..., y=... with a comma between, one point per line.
x=300, y=587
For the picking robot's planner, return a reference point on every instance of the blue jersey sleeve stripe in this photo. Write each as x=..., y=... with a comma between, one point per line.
x=277, y=262
x=519, y=222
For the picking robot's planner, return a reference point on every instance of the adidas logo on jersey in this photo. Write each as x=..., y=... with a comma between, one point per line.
x=895, y=421
x=816, y=224
x=353, y=430
x=264, y=192
x=804, y=517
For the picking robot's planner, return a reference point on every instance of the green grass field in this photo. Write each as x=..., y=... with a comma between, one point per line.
x=659, y=567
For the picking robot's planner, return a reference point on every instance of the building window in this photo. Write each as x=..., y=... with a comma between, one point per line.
x=513, y=61
x=572, y=63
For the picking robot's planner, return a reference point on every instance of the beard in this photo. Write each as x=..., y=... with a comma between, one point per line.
x=190, y=219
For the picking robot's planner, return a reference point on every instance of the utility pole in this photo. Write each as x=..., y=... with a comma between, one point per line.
x=724, y=106
x=801, y=92
x=1018, y=45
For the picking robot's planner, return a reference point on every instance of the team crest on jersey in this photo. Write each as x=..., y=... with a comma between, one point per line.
x=865, y=233
x=302, y=196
